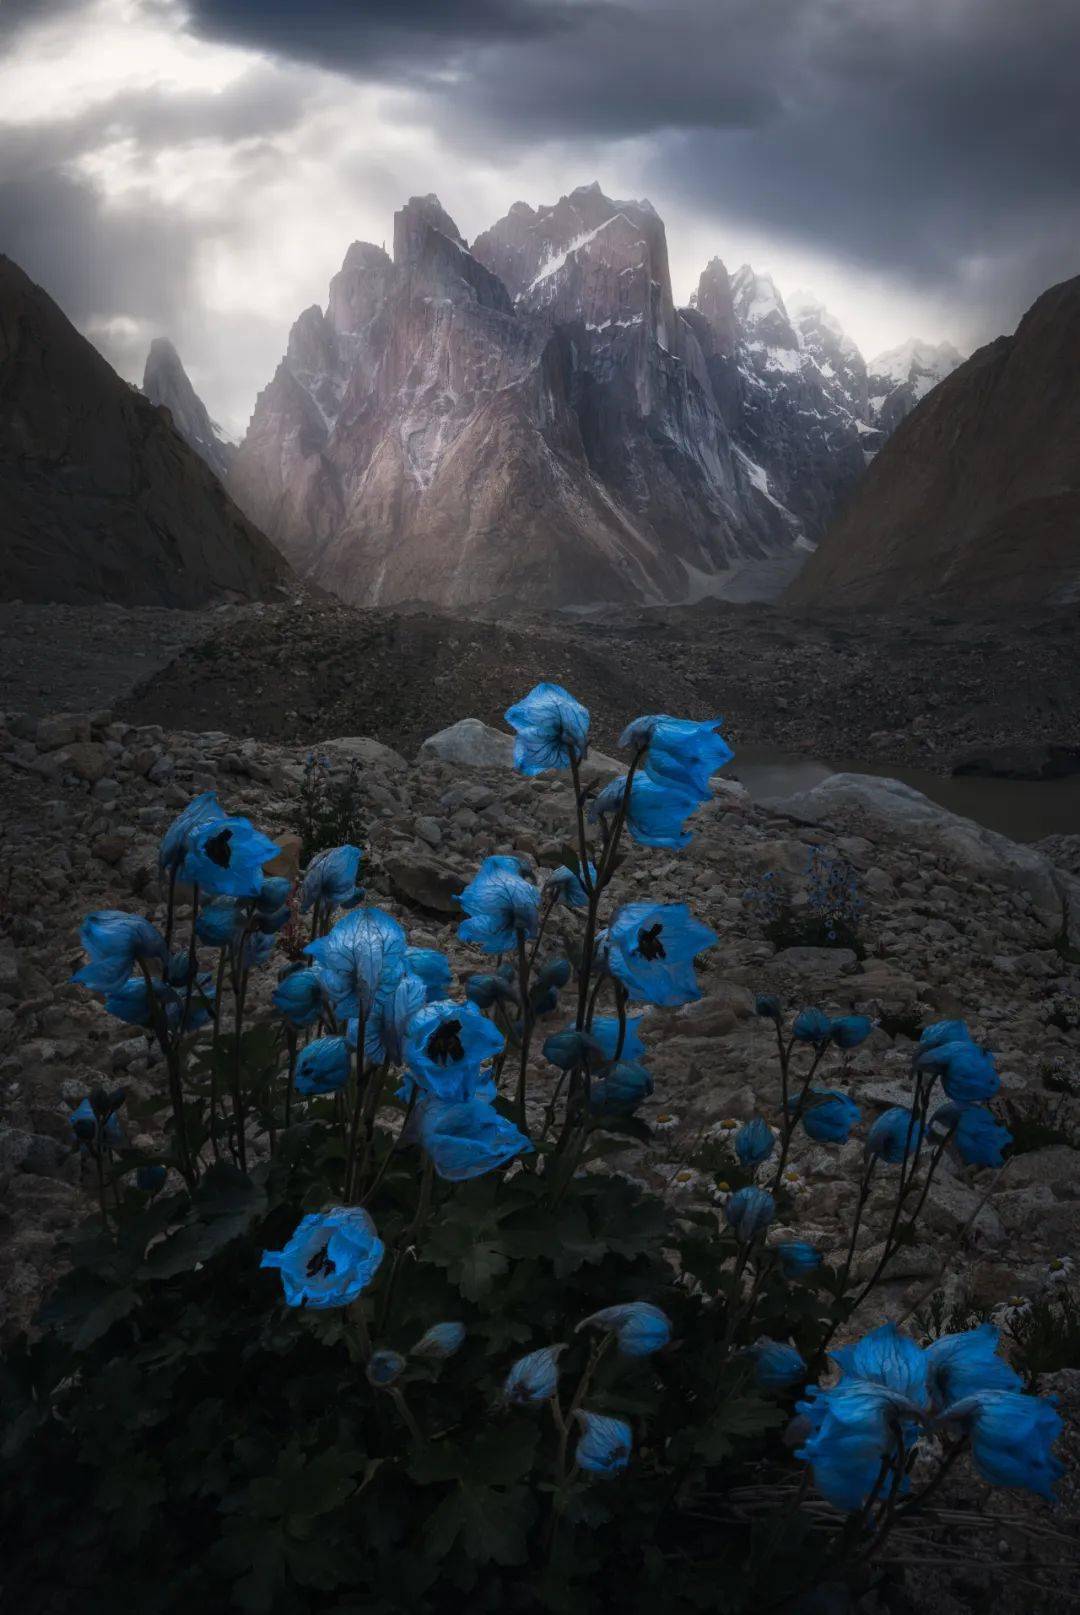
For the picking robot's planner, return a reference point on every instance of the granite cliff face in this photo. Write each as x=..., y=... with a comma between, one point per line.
x=535, y=414
x=975, y=499
x=100, y=497
x=166, y=383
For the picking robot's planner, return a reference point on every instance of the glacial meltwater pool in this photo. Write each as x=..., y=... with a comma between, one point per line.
x=1026, y=810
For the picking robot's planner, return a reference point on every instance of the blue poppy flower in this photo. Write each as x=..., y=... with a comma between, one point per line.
x=361, y=960
x=749, y=1212
x=894, y=1136
x=385, y=1368
x=150, y=1178
x=299, y=996
x=485, y=991
x=552, y=729
x=330, y=1260
x=501, y=905
x=256, y=951
x=797, y=1257
x=605, y=1031
x=331, y=879
x=274, y=893
x=219, y=924
x=555, y=973
x=966, y=1364
x=777, y=1365
x=605, y=1444
x=445, y=1046
x=812, y=1026
x=754, y=1142
x=944, y=1032
x=976, y=1136
x=656, y=814
x=226, y=857
x=322, y=1067
x=564, y=885
x=886, y=1357
x=639, y=1328
x=533, y=1378
x=625, y=1085
x=848, y=1031
x=651, y=949
x=433, y=968
x=467, y=1138
x=205, y=809
x=441, y=1340
x=853, y=1428
x=767, y=1007
x=84, y=1124
x=387, y=1027
x=1011, y=1440
x=132, y=1003
x=572, y=1048
x=970, y=1077
x=679, y=751
x=116, y=943
x=828, y=1116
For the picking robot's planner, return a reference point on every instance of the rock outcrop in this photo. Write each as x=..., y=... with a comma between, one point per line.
x=901, y=378
x=100, y=497
x=975, y=500
x=533, y=418
x=167, y=384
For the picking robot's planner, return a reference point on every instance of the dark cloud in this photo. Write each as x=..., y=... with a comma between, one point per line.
x=934, y=140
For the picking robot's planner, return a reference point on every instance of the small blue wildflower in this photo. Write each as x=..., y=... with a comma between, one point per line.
x=976, y=1136
x=749, y=1212
x=226, y=857
x=848, y=1031
x=445, y=1046
x=361, y=960
x=894, y=1136
x=853, y=1429
x=274, y=893
x=970, y=1076
x=433, y=968
x=468, y=1138
x=754, y=1142
x=966, y=1364
x=322, y=1067
x=331, y=1258
x=331, y=879
x=501, y=904
x=564, y=885
x=767, y=1007
x=132, y=1003
x=552, y=729
x=680, y=752
x=150, y=1178
x=777, y=1365
x=205, y=809
x=256, y=950
x=485, y=991
x=655, y=815
x=886, y=1357
x=1012, y=1436
x=533, y=1378
x=605, y=1031
x=116, y=943
x=84, y=1123
x=298, y=996
x=385, y=1368
x=812, y=1026
x=219, y=924
x=797, y=1257
x=571, y=1048
x=441, y=1340
x=605, y=1444
x=828, y=1116
x=639, y=1328
x=944, y=1032
x=651, y=949
x=554, y=974
x=624, y=1087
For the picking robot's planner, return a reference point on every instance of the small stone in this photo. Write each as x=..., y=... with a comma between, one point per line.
x=428, y=830
x=106, y=790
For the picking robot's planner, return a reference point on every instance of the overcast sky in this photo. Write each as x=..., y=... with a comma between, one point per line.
x=197, y=168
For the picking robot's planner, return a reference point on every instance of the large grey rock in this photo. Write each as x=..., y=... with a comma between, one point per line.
x=363, y=750
x=887, y=803
x=424, y=883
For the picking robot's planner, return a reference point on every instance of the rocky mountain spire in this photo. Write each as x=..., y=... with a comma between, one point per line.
x=166, y=382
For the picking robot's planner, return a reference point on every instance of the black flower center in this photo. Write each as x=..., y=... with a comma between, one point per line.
x=649, y=943
x=320, y=1266
x=219, y=850
x=445, y=1044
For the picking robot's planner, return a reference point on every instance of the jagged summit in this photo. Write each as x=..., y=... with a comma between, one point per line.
x=166, y=382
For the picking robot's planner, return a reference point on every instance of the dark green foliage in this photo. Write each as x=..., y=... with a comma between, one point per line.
x=329, y=811
x=1046, y=1335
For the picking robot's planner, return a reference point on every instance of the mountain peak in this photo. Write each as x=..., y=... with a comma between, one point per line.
x=166, y=383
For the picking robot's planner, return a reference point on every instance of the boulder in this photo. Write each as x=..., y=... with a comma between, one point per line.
x=88, y=759
x=979, y=853
x=362, y=749
x=473, y=744
x=425, y=884
x=62, y=729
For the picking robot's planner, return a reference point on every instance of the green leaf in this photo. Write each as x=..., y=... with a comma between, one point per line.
x=100, y=1319
x=491, y=1524
x=737, y=1419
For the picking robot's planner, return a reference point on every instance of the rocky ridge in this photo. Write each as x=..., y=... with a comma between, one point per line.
x=902, y=377
x=166, y=383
